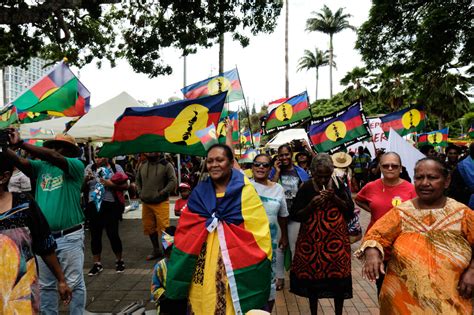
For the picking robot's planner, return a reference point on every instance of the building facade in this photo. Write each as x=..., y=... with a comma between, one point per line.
x=15, y=80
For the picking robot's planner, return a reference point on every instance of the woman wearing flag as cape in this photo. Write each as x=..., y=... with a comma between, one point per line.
x=221, y=263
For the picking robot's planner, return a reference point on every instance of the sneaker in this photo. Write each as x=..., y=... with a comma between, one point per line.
x=96, y=269
x=119, y=266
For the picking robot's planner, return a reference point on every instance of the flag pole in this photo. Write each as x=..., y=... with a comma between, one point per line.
x=246, y=106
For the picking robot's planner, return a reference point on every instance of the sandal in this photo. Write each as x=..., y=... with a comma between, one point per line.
x=280, y=284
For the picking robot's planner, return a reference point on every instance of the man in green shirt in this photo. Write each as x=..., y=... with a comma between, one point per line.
x=59, y=176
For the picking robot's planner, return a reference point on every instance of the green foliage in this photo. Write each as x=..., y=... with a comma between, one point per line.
x=135, y=30
x=420, y=51
x=328, y=22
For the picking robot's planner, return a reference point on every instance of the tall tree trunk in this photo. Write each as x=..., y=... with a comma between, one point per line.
x=330, y=64
x=317, y=80
x=287, y=82
x=221, y=53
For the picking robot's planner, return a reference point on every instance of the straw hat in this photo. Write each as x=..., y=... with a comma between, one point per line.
x=66, y=141
x=341, y=159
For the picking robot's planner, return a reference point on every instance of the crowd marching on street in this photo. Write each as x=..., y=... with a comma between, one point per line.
x=241, y=227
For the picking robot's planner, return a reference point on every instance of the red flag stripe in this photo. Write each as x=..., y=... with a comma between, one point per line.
x=355, y=122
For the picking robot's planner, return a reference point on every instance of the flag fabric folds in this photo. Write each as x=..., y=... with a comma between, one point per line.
x=231, y=227
x=207, y=136
x=58, y=93
x=287, y=113
x=221, y=131
x=165, y=128
x=30, y=117
x=245, y=138
x=338, y=130
x=248, y=156
x=8, y=116
x=434, y=138
x=256, y=139
x=404, y=121
x=228, y=81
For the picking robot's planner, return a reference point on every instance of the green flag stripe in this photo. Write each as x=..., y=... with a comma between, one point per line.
x=180, y=273
x=253, y=285
x=26, y=100
x=351, y=134
x=297, y=116
x=149, y=143
x=60, y=100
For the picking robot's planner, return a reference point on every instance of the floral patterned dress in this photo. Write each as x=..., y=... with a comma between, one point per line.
x=431, y=248
x=24, y=232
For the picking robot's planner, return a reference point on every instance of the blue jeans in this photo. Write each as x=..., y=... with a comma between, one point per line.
x=70, y=254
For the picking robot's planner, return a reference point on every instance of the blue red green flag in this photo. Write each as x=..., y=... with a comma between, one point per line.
x=234, y=120
x=256, y=139
x=248, y=156
x=58, y=93
x=245, y=138
x=165, y=128
x=404, y=121
x=287, y=113
x=228, y=81
x=338, y=130
x=435, y=138
x=207, y=136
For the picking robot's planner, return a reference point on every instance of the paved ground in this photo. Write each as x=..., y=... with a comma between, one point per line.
x=110, y=292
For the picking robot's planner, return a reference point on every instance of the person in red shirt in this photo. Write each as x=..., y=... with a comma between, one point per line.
x=181, y=203
x=381, y=195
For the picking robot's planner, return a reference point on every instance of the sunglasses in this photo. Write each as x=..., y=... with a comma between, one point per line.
x=264, y=164
x=388, y=166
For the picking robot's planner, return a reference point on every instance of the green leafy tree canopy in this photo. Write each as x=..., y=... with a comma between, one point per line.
x=138, y=31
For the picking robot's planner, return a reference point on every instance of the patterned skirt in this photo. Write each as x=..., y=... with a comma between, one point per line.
x=321, y=266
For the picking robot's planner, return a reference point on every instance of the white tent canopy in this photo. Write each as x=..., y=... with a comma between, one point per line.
x=287, y=136
x=98, y=123
x=44, y=130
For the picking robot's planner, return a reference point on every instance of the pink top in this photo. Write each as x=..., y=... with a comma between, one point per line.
x=381, y=198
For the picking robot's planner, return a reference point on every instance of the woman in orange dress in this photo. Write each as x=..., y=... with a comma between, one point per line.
x=430, y=270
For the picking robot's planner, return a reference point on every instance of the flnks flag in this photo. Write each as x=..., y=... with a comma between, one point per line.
x=8, y=117
x=228, y=81
x=221, y=130
x=165, y=128
x=435, y=138
x=207, y=136
x=286, y=113
x=333, y=132
x=59, y=93
x=404, y=121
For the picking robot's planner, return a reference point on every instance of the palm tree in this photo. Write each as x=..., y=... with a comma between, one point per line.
x=356, y=82
x=314, y=60
x=329, y=23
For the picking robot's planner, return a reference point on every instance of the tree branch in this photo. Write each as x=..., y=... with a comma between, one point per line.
x=17, y=16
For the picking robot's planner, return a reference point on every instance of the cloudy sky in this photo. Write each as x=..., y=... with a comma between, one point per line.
x=261, y=64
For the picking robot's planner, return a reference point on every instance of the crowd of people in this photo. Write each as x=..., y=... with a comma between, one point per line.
x=237, y=235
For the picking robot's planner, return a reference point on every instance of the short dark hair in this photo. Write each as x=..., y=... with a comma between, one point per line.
x=6, y=165
x=263, y=154
x=453, y=147
x=442, y=166
x=226, y=148
x=305, y=153
x=287, y=146
x=426, y=148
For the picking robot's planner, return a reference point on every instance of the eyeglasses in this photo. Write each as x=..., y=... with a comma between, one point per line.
x=388, y=166
x=264, y=164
